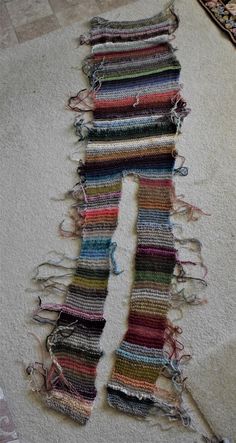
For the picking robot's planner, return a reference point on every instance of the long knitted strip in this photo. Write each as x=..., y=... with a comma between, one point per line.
x=75, y=340
x=149, y=344
x=137, y=112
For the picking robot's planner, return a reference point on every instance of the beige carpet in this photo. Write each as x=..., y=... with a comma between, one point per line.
x=36, y=137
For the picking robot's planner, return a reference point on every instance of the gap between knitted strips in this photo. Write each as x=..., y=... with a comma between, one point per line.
x=73, y=345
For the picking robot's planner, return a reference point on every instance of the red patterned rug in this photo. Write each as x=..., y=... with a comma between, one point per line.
x=224, y=14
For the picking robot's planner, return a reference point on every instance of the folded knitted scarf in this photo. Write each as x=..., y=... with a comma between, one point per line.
x=137, y=110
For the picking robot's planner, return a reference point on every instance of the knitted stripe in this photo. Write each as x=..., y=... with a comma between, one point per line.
x=78, y=352
x=135, y=373
x=137, y=111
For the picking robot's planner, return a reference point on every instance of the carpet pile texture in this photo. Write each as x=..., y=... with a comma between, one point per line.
x=35, y=145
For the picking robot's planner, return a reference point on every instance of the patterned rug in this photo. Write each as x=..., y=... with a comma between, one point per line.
x=224, y=13
x=8, y=432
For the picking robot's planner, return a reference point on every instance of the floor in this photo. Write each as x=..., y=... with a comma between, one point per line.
x=22, y=20
x=36, y=137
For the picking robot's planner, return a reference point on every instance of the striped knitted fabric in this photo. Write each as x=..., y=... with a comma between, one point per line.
x=137, y=110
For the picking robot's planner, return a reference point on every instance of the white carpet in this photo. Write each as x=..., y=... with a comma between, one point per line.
x=36, y=137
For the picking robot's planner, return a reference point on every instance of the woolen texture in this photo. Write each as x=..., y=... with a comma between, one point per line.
x=137, y=111
x=40, y=136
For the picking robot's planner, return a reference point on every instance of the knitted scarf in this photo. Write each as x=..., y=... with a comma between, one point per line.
x=137, y=110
